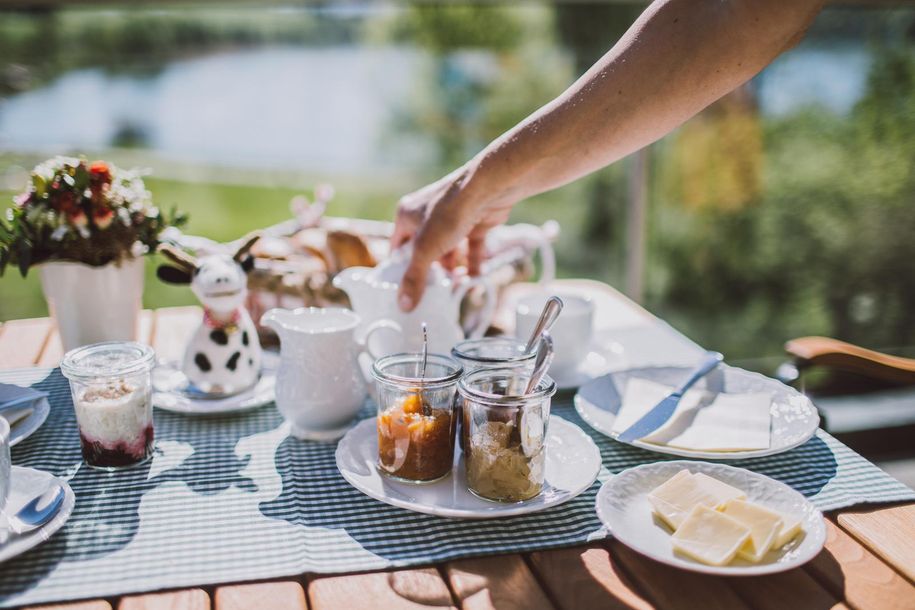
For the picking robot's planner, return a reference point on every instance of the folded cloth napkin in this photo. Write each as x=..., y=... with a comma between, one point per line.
x=703, y=421
x=17, y=396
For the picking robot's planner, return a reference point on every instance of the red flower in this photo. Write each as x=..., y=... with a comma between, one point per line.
x=100, y=171
x=64, y=201
x=103, y=217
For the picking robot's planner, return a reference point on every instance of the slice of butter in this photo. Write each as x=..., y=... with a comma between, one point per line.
x=724, y=492
x=791, y=527
x=764, y=525
x=674, y=499
x=709, y=536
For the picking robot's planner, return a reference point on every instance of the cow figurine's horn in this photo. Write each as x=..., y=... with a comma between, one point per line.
x=178, y=256
x=247, y=242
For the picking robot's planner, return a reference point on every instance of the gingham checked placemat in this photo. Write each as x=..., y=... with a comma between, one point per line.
x=235, y=498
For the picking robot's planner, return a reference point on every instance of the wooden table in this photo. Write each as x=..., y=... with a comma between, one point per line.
x=868, y=562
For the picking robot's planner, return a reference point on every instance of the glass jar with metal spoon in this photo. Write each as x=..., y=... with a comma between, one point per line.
x=505, y=421
x=507, y=352
x=416, y=424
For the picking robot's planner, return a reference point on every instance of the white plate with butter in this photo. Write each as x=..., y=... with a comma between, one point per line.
x=624, y=508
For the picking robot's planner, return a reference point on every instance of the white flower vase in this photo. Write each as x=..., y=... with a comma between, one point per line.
x=93, y=304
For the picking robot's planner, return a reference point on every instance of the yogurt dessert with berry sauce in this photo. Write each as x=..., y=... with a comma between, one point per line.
x=112, y=396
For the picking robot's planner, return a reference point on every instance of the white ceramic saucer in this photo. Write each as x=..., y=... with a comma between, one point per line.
x=28, y=483
x=572, y=465
x=794, y=419
x=170, y=391
x=26, y=427
x=622, y=506
x=604, y=355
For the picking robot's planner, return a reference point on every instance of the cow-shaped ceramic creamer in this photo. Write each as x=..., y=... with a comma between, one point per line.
x=223, y=356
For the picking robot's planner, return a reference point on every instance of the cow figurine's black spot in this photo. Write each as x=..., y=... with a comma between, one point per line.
x=202, y=362
x=244, y=338
x=250, y=361
x=219, y=336
x=233, y=361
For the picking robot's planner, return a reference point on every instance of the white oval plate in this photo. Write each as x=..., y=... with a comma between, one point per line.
x=169, y=393
x=604, y=355
x=572, y=465
x=622, y=506
x=794, y=419
x=26, y=484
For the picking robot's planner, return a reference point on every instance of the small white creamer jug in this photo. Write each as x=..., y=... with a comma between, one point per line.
x=320, y=386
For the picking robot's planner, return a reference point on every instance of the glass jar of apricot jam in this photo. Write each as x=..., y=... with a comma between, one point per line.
x=416, y=420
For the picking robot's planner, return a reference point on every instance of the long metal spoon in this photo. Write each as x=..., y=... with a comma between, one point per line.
x=548, y=316
x=427, y=411
x=542, y=362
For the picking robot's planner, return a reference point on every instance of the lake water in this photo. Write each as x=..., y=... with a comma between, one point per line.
x=327, y=110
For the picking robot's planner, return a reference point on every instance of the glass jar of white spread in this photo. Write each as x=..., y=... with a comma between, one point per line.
x=112, y=396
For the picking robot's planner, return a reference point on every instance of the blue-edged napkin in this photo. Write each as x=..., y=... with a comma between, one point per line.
x=17, y=402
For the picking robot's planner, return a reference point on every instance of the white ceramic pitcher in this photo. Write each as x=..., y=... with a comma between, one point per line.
x=320, y=386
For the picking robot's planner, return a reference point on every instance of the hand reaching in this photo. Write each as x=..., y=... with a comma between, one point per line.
x=437, y=218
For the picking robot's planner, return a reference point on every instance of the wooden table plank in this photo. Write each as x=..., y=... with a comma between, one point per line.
x=504, y=581
x=888, y=532
x=407, y=589
x=188, y=599
x=586, y=577
x=673, y=589
x=854, y=574
x=172, y=330
x=279, y=595
x=98, y=604
x=791, y=589
x=21, y=342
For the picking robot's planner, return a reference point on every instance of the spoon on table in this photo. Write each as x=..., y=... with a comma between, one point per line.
x=548, y=316
x=542, y=362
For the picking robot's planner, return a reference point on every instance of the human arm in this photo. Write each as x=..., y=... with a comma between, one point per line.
x=676, y=59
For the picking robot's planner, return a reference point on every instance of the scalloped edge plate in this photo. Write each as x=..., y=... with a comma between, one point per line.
x=26, y=484
x=573, y=463
x=794, y=418
x=622, y=506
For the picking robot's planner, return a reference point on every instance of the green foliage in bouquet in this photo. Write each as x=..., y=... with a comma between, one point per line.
x=88, y=213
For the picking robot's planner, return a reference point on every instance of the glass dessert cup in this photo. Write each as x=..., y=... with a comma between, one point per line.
x=416, y=420
x=112, y=396
x=504, y=434
x=493, y=353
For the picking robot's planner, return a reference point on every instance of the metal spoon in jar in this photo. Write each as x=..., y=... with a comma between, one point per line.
x=422, y=372
x=542, y=363
x=548, y=316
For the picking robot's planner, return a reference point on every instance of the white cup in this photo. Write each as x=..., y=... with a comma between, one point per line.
x=5, y=468
x=320, y=386
x=571, y=332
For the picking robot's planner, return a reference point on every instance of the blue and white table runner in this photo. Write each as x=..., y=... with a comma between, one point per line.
x=232, y=498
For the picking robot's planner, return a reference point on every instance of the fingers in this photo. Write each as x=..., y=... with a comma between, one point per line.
x=413, y=285
x=438, y=236
x=476, y=251
x=405, y=223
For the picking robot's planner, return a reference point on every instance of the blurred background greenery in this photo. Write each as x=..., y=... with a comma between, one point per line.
x=783, y=210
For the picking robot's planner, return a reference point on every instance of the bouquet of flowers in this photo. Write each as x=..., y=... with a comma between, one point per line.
x=76, y=211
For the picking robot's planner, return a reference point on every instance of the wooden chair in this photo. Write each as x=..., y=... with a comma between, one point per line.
x=865, y=397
